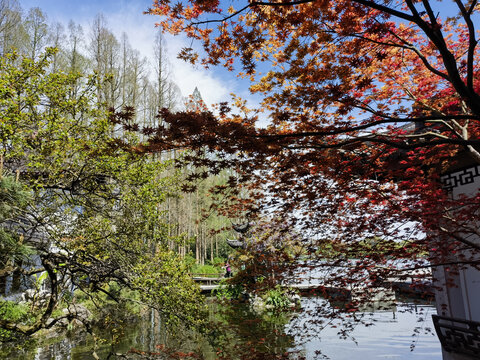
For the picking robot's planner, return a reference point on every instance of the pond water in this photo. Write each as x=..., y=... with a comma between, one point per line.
x=405, y=332
x=402, y=332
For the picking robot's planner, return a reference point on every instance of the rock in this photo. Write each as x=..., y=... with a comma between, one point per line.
x=79, y=311
x=257, y=303
x=37, y=297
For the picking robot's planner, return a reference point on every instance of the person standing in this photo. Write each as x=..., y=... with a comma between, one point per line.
x=228, y=270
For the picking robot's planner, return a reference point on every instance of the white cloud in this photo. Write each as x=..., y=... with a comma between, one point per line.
x=141, y=33
x=127, y=16
x=215, y=84
x=212, y=89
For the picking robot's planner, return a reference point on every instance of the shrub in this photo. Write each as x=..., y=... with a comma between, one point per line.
x=13, y=312
x=277, y=298
x=228, y=291
x=206, y=269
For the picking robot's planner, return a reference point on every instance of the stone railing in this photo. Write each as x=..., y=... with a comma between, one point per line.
x=458, y=335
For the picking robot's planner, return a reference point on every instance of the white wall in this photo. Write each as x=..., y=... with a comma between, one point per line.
x=463, y=301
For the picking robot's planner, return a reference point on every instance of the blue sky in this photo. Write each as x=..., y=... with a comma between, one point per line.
x=126, y=16
x=215, y=85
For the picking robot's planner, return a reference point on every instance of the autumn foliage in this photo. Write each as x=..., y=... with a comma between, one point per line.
x=368, y=102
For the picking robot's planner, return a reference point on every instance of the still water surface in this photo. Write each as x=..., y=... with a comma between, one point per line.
x=265, y=335
x=405, y=332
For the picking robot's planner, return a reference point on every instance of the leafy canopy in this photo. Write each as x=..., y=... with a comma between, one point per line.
x=86, y=205
x=369, y=103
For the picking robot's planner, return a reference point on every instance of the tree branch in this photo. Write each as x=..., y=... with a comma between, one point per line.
x=387, y=120
x=472, y=43
x=393, y=144
x=461, y=239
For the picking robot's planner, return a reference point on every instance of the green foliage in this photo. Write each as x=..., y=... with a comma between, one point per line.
x=11, y=311
x=13, y=200
x=194, y=268
x=277, y=298
x=219, y=261
x=189, y=262
x=13, y=196
x=206, y=269
x=101, y=199
x=163, y=279
x=227, y=291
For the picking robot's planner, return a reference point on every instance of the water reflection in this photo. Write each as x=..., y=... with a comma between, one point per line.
x=240, y=333
x=250, y=335
x=402, y=332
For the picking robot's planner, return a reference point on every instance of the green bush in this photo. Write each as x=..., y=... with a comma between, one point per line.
x=206, y=269
x=277, y=298
x=218, y=261
x=11, y=311
x=189, y=261
x=228, y=291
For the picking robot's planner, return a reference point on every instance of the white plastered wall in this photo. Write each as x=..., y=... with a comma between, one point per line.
x=462, y=300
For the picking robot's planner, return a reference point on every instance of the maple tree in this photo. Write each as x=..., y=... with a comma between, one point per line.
x=369, y=102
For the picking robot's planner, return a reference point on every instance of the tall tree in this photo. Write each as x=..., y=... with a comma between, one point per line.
x=36, y=28
x=161, y=68
x=11, y=30
x=104, y=50
x=133, y=73
x=56, y=39
x=76, y=61
x=167, y=92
